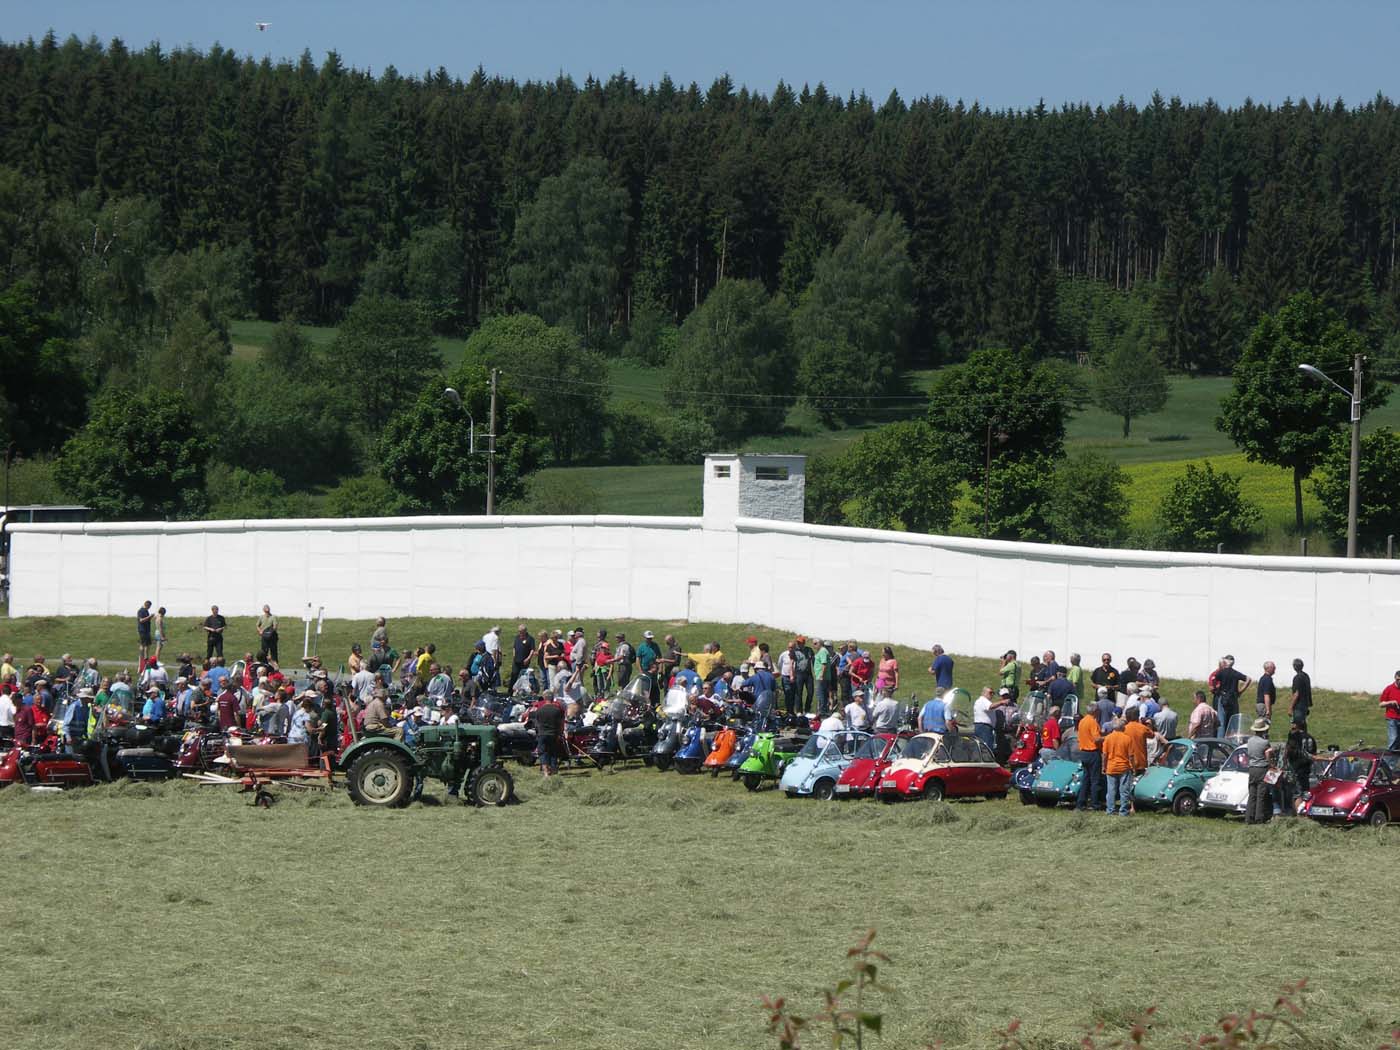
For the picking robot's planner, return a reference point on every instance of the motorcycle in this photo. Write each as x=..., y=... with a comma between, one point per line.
x=44, y=768
x=139, y=752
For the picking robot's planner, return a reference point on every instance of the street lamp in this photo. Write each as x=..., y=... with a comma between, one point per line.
x=455, y=398
x=451, y=395
x=1355, y=394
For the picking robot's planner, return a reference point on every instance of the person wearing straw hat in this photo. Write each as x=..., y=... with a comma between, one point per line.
x=1259, y=753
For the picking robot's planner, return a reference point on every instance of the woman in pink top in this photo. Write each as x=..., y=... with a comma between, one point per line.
x=887, y=676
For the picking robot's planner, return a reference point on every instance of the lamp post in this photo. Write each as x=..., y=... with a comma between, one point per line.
x=451, y=395
x=1355, y=394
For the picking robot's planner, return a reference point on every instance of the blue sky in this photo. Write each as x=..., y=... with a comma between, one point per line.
x=1007, y=53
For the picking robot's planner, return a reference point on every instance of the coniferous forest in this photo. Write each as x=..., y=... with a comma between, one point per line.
x=135, y=183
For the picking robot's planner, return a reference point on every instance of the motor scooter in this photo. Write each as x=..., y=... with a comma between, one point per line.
x=721, y=749
x=693, y=749
x=668, y=736
x=770, y=754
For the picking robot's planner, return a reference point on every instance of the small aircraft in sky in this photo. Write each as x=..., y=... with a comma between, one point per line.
x=262, y=26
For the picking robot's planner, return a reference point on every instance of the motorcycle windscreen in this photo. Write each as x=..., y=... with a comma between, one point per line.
x=637, y=691
x=675, y=702
x=957, y=705
x=1034, y=709
x=1238, y=727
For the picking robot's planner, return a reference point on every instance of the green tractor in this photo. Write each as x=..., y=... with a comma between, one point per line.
x=382, y=771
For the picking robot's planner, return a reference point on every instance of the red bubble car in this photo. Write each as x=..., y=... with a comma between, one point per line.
x=944, y=765
x=871, y=760
x=1359, y=787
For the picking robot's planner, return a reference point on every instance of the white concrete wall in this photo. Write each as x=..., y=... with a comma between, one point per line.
x=976, y=597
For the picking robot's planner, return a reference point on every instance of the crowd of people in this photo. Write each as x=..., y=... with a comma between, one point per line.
x=1120, y=716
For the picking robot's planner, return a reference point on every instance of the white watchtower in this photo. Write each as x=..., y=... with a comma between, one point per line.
x=753, y=485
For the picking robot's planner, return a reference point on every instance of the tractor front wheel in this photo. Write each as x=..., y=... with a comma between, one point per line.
x=380, y=778
x=491, y=786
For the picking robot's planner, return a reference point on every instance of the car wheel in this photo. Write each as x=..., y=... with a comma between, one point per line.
x=1027, y=798
x=933, y=790
x=752, y=781
x=1379, y=818
x=1185, y=803
x=824, y=789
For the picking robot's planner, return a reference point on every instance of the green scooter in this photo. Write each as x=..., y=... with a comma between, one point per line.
x=768, y=758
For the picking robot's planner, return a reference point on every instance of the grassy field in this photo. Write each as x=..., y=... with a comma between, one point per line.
x=1338, y=717
x=251, y=337
x=637, y=909
x=1154, y=455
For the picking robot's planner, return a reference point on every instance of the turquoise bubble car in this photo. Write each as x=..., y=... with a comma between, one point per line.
x=1177, y=782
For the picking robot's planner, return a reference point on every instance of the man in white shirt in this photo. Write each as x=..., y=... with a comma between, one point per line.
x=857, y=717
x=363, y=682
x=492, y=640
x=7, y=716
x=832, y=723
x=982, y=727
x=885, y=716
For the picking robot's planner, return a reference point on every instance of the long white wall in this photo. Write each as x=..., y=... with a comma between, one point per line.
x=974, y=596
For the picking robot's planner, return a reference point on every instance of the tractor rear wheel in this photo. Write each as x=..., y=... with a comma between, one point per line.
x=491, y=786
x=380, y=777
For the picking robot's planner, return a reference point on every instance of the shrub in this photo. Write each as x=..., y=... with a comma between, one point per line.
x=1205, y=508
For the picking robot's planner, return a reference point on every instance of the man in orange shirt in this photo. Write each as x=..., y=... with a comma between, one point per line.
x=1091, y=785
x=1117, y=750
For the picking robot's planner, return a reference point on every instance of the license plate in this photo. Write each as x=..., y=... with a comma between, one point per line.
x=1214, y=796
x=887, y=783
x=843, y=789
x=1322, y=811
x=1045, y=783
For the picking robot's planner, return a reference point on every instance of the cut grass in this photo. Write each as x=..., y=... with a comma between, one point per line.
x=636, y=909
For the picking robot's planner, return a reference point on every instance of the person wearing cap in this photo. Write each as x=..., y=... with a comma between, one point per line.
x=648, y=655
x=752, y=642
x=761, y=684
x=861, y=669
x=75, y=720
x=153, y=711
x=1058, y=688
x=492, y=640
x=377, y=721
x=1390, y=707
x=1299, y=750
x=1259, y=755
